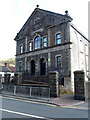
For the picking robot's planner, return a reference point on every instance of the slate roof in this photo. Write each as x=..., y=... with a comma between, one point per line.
x=4, y=69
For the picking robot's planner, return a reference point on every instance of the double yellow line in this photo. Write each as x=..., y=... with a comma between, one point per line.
x=28, y=101
x=41, y=102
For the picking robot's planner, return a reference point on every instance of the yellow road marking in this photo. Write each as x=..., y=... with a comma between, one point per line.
x=29, y=101
x=74, y=107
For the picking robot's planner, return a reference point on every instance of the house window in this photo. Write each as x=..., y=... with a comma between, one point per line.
x=30, y=46
x=58, y=38
x=44, y=42
x=21, y=48
x=58, y=61
x=20, y=66
x=37, y=42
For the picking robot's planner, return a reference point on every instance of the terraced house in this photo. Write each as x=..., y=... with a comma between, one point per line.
x=47, y=42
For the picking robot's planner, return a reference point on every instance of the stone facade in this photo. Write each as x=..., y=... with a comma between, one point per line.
x=48, y=42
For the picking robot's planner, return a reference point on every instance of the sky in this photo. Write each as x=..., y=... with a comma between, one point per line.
x=14, y=13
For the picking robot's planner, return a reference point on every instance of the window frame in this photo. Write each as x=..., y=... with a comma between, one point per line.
x=57, y=61
x=56, y=38
x=43, y=42
x=30, y=46
x=21, y=48
x=37, y=42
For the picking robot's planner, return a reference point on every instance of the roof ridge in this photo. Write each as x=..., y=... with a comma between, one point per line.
x=46, y=12
x=54, y=13
x=49, y=11
x=73, y=26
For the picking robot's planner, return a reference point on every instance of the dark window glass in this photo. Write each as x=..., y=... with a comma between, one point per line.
x=32, y=67
x=20, y=66
x=42, y=67
x=62, y=81
x=59, y=61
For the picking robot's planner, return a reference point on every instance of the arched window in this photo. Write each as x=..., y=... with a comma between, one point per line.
x=21, y=48
x=37, y=42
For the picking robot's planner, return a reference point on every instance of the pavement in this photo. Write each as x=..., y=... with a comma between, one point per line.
x=63, y=100
x=16, y=107
x=66, y=100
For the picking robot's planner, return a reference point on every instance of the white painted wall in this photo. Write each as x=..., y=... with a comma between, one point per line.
x=89, y=38
x=79, y=53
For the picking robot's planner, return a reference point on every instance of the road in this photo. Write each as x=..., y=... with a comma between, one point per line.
x=19, y=108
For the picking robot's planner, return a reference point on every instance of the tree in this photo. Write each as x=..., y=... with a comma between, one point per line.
x=9, y=61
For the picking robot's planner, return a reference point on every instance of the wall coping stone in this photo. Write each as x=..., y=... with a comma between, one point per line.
x=79, y=71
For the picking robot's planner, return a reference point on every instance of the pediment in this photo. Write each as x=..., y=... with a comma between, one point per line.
x=38, y=20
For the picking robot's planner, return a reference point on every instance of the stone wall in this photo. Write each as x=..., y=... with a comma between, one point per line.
x=67, y=83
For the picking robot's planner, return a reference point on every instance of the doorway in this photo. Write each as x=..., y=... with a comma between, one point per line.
x=32, y=67
x=42, y=66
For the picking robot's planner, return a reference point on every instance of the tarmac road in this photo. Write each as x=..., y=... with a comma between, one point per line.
x=19, y=108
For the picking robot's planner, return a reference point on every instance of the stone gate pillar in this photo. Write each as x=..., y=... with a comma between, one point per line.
x=20, y=78
x=15, y=80
x=79, y=85
x=7, y=78
x=87, y=91
x=53, y=83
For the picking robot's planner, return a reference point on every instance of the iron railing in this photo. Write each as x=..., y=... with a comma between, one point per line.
x=28, y=91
